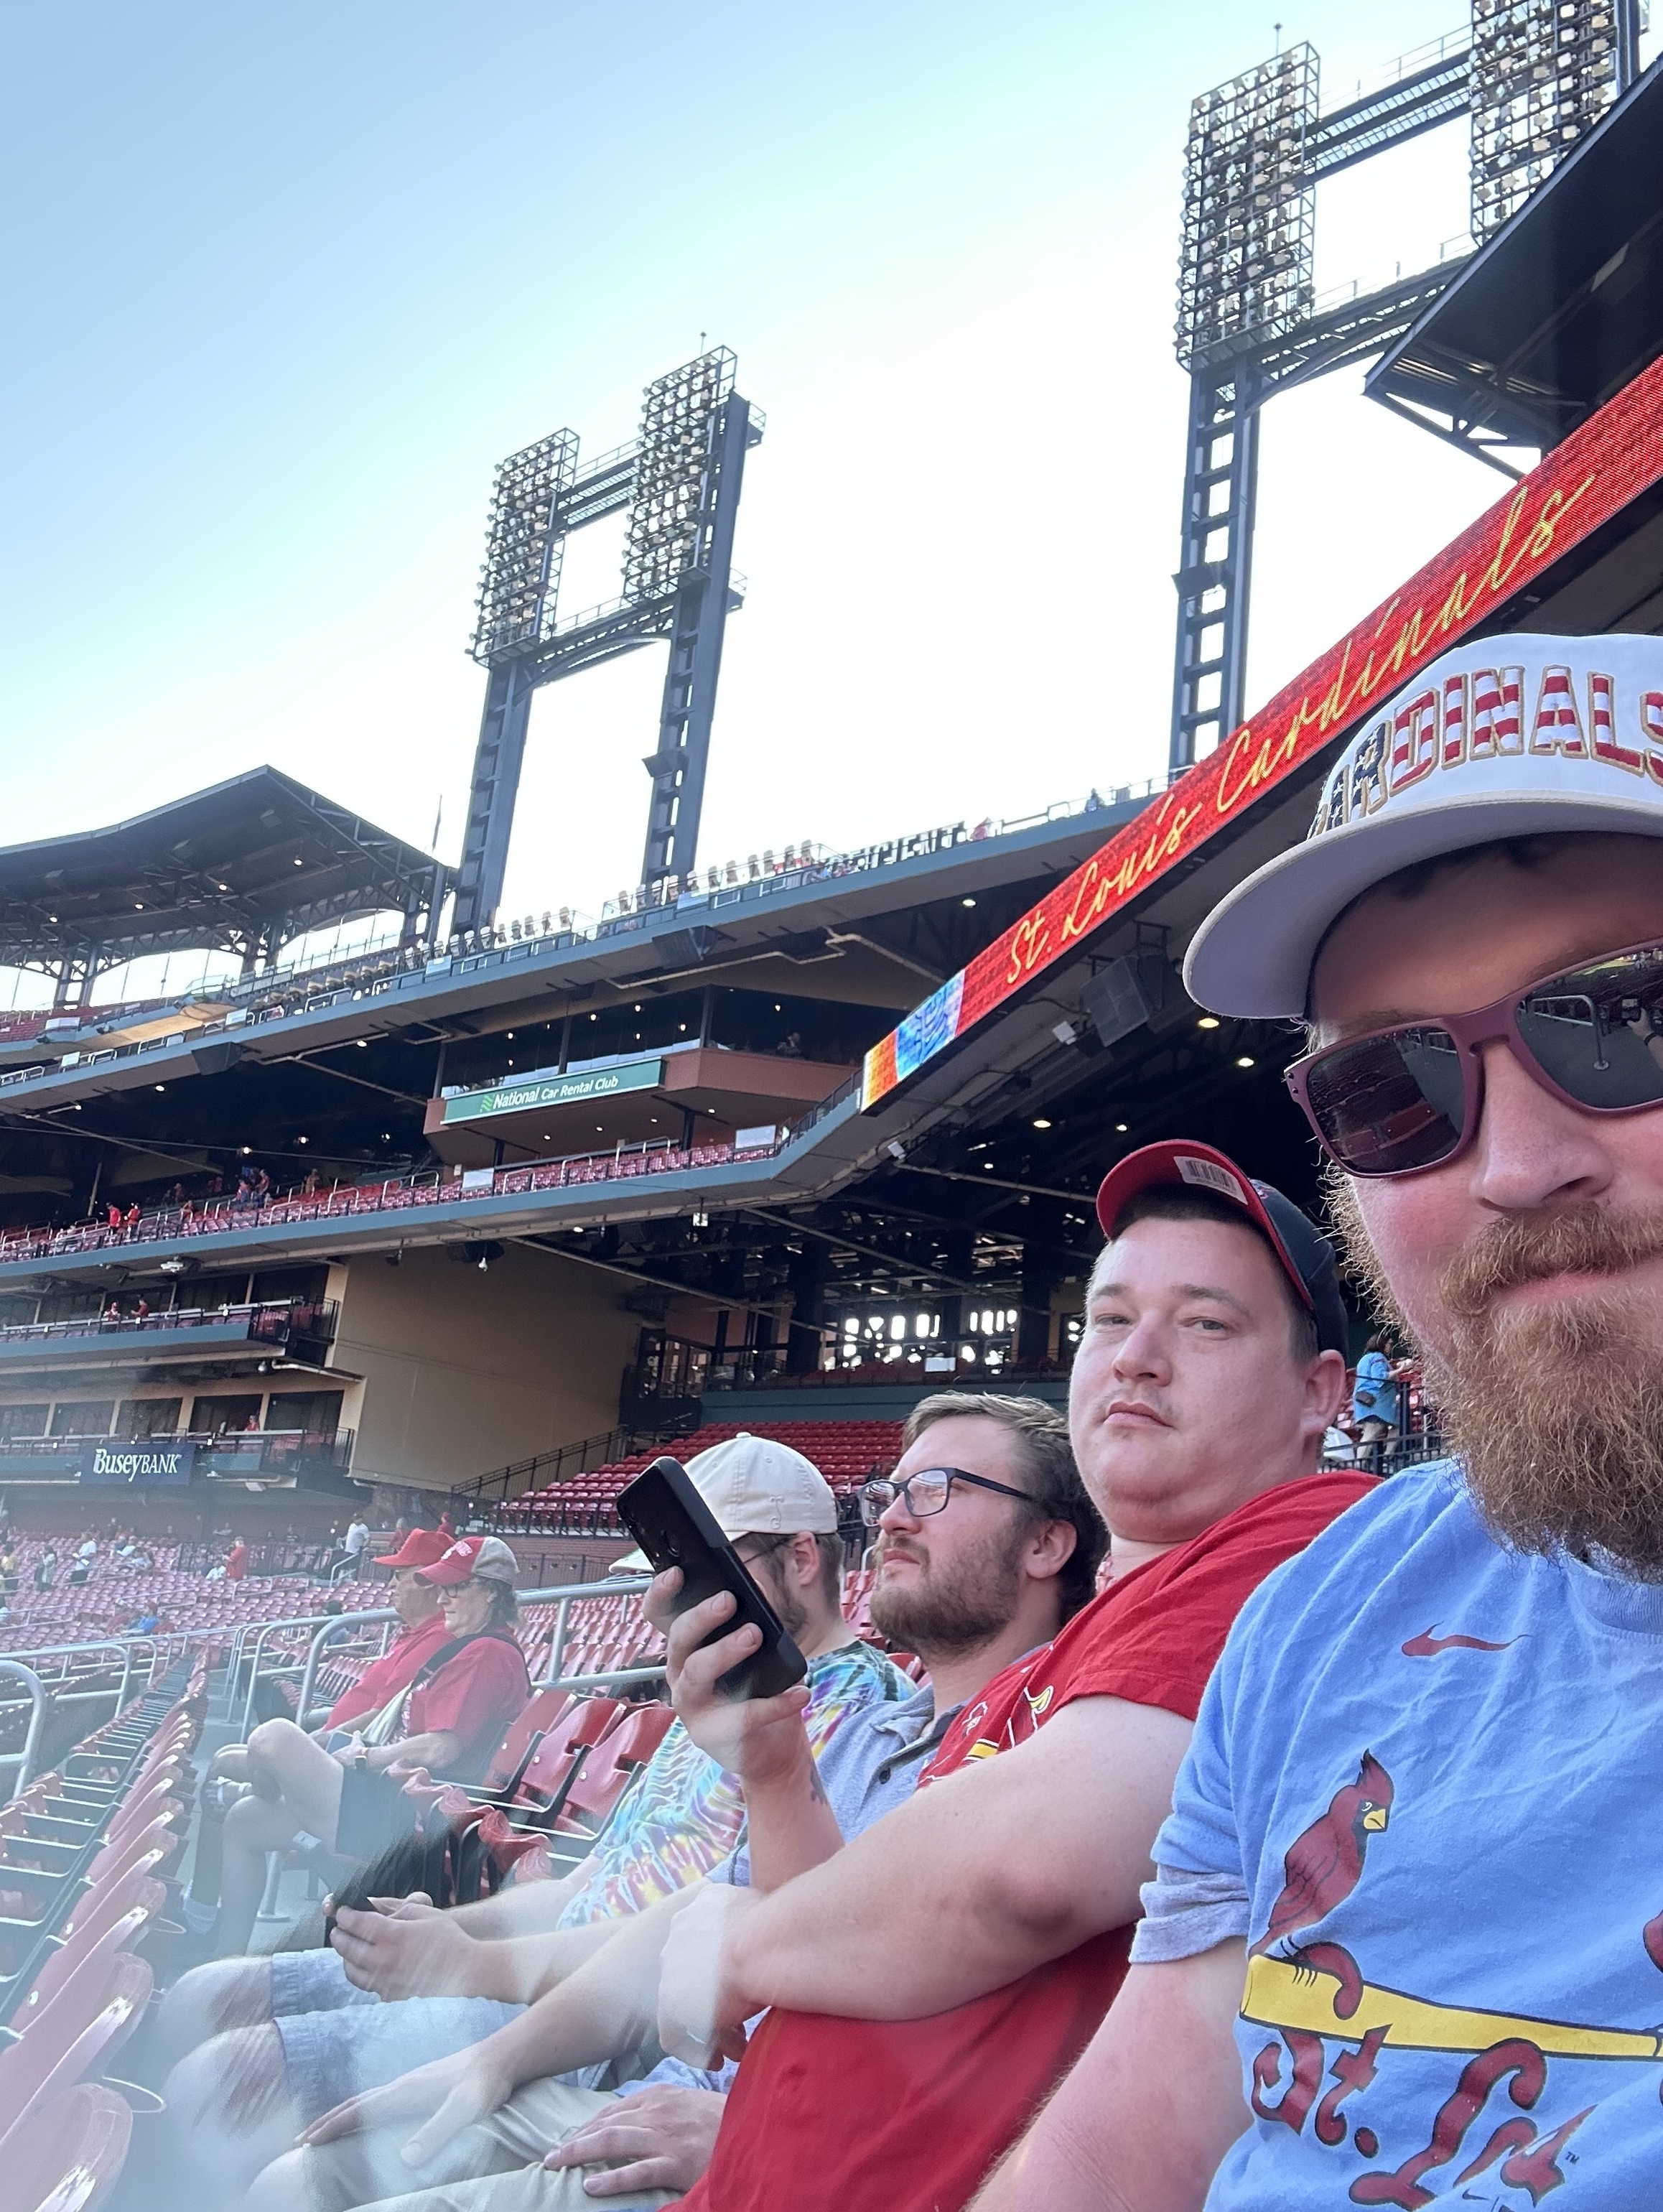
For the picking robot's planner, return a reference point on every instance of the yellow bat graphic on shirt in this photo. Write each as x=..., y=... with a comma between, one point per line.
x=1281, y=1993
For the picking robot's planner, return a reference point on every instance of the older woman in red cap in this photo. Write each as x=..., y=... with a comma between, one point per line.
x=447, y=1714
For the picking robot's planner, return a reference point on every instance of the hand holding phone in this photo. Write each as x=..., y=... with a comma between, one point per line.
x=671, y=1521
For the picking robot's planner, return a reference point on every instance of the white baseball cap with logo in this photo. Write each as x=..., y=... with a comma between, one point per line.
x=1515, y=736
x=756, y=1485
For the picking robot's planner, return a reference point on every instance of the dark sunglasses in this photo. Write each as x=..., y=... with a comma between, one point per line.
x=1401, y=1099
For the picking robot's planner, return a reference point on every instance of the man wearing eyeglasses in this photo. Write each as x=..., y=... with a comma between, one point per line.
x=1405, y=1945
x=930, y=1980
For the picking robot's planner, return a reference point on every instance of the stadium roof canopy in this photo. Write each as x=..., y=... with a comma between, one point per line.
x=248, y=863
x=1562, y=307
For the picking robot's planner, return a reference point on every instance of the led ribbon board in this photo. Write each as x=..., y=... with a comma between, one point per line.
x=1615, y=455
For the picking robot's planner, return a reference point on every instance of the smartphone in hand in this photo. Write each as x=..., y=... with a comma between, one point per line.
x=664, y=1512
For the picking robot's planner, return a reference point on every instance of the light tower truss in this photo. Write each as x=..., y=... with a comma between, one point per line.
x=679, y=483
x=1535, y=76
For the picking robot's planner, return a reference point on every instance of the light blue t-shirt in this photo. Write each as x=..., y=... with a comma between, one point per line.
x=1374, y=1394
x=1436, y=1770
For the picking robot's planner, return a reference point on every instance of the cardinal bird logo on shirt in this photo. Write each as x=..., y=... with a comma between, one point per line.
x=1323, y=1865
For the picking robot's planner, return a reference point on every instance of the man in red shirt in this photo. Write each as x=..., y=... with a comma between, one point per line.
x=236, y=1562
x=928, y=1982
x=415, y=1600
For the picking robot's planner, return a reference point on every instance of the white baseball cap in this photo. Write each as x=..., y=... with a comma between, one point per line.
x=1512, y=737
x=756, y=1485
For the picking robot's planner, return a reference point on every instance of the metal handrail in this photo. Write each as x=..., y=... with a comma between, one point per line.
x=601, y=1681
x=23, y=1760
x=99, y=1643
x=265, y=1628
x=611, y=1588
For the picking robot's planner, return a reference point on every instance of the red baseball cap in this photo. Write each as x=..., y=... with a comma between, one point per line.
x=483, y=1559
x=421, y=1548
x=1305, y=1253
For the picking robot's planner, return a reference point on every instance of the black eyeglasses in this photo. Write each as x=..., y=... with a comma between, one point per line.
x=1405, y=1098
x=928, y=1491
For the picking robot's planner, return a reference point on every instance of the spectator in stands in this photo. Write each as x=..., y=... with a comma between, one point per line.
x=1375, y=1402
x=45, y=1569
x=129, y=1220
x=144, y=1624
x=453, y=1714
x=971, y=1589
x=682, y=1817
x=353, y=1543
x=1403, y=1925
x=8, y=1569
x=1213, y=1314
x=113, y=1217
x=236, y=1562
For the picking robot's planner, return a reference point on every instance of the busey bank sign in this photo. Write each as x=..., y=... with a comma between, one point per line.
x=553, y=1090
x=146, y=1461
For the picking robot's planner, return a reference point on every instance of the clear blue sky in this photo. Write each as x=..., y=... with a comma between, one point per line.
x=285, y=283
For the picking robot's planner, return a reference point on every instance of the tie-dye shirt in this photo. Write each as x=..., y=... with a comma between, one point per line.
x=684, y=1814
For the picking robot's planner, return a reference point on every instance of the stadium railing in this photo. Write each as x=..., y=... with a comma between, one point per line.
x=399, y=1193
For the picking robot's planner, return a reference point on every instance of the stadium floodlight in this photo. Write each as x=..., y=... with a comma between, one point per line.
x=520, y=581
x=1544, y=72
x=667, y=516
x=1249, y=206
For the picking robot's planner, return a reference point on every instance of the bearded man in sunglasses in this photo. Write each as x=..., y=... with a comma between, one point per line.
x=1405, y=1945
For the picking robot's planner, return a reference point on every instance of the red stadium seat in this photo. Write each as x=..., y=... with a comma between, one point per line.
x=68, y=2151
x=87, y=2021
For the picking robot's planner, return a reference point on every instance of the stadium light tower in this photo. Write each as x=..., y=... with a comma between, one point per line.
x=679, y=483
x=1534, y=75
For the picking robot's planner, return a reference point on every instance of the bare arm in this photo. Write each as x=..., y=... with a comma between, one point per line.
x=406, y=1948
x=790, y=1826
x=607, y=2008
x=1145, y=2119
x=1028, y=1855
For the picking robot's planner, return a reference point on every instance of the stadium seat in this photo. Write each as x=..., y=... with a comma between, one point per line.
x=67, y=2151
x=87, y=2021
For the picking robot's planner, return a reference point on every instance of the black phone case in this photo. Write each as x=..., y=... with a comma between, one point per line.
x=665, y=1514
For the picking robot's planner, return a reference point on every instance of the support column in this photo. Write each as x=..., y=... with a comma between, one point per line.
x=1221, y=481
x=1041, y=1271
x=806, y=1276
x=498, y=758
x=677, y=765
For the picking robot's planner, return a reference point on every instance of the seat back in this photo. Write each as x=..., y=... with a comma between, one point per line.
x=615, y=1760
x=101, y=1941
x=547, y=1710
x=87, y=2021
x=66, y=2154
x=584, y=1726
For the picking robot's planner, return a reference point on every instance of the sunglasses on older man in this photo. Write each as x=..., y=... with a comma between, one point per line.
x=1399, y=1100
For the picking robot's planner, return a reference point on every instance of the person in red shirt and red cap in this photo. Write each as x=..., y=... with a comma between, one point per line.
x=422, y=1631
x=455, y=1707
